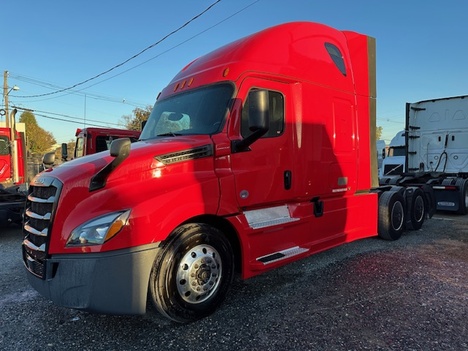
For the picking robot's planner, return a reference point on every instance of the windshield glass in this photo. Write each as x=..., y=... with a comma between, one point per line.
x=200, y=111
x=397, y=151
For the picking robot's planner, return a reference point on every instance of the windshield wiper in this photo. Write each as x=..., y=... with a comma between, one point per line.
x=169, y=134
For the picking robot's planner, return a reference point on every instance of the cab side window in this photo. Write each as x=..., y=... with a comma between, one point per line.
x=4, y=147
x=103, y=143
x=79, y=147
x=276, y=103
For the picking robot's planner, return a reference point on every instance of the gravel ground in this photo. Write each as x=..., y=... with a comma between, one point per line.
x=411, y=294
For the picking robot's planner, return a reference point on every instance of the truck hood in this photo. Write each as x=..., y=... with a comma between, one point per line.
x=173, y=172
x=144, y=156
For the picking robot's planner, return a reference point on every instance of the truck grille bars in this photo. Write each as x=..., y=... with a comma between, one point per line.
x=40, y=206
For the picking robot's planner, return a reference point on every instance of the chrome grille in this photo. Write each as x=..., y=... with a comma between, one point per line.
x=40, y=206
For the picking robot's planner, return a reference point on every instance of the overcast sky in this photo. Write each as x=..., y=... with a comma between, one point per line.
x=49, y=45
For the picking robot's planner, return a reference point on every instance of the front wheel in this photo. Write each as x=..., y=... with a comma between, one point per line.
x=192, y=274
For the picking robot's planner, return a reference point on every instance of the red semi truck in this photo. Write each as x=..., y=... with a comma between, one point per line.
x=12, y=157
x=13, y=174
x=254, y=156
x=89, y=141
x=93, y=140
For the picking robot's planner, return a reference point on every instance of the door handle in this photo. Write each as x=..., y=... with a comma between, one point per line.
x=287, y=180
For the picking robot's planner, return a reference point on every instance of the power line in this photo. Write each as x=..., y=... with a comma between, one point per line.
x=34, y=81
x=122, y=100
x=67, y=118
x=129, y=59
x=177, y=45
x=77, y=122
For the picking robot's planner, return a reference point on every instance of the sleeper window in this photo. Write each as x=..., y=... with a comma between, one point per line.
x=337, y=57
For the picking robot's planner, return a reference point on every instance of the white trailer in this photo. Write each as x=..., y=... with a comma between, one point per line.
x=437, y=150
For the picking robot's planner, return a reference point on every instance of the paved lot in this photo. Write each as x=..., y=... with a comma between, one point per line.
x=369, y=295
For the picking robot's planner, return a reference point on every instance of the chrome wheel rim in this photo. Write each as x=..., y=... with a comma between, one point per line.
x=199, y=274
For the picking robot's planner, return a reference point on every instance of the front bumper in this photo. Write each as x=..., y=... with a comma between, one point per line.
x=111, y=282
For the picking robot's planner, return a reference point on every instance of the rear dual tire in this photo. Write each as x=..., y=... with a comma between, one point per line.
x=417, y=210
x=395, y=213
x=391, y=222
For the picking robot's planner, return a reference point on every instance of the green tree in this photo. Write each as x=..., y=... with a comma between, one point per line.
x=379, y=132
x=139, y=115
x=38, y=140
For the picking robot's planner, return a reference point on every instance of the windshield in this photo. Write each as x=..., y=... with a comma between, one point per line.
x=200, y=111
x=397, y=151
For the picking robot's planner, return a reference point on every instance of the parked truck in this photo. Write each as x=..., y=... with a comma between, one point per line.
x=13, y=173
x=381, y=153
x=254, y=156
x=89, y=141
x=436, y=142
x=395, y=160
x=92, y=140
x=13, y=168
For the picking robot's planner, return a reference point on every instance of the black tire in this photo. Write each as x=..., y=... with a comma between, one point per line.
x=391, y=215
x=429, y=200
x=417, y=210
x=192, y=274
x=463, y=196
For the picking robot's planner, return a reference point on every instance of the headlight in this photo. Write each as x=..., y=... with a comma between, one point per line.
x=98, y=230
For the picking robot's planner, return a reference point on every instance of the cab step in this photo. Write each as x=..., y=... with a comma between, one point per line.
x=282, y=255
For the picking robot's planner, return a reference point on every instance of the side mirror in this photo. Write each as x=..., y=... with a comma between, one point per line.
x=48, y=160
x=64, y=152
x=259, y=119
x=120, y=149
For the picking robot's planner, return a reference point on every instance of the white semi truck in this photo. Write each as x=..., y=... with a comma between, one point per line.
x=394, y=161
x=436, y=139
x=381, y=153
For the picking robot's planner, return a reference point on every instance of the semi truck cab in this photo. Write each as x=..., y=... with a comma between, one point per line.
x=253, y=156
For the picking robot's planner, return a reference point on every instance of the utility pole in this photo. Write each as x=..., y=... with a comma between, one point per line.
x=14, y=146
x=5, y=98
x=10, y=124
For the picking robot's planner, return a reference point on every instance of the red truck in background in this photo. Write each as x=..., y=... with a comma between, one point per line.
x=13, y=173
x=89, y=141
x=92, y=140
x=12, y=162
x=254, y=156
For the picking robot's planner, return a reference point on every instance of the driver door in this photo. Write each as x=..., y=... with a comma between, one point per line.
x=264, y=174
